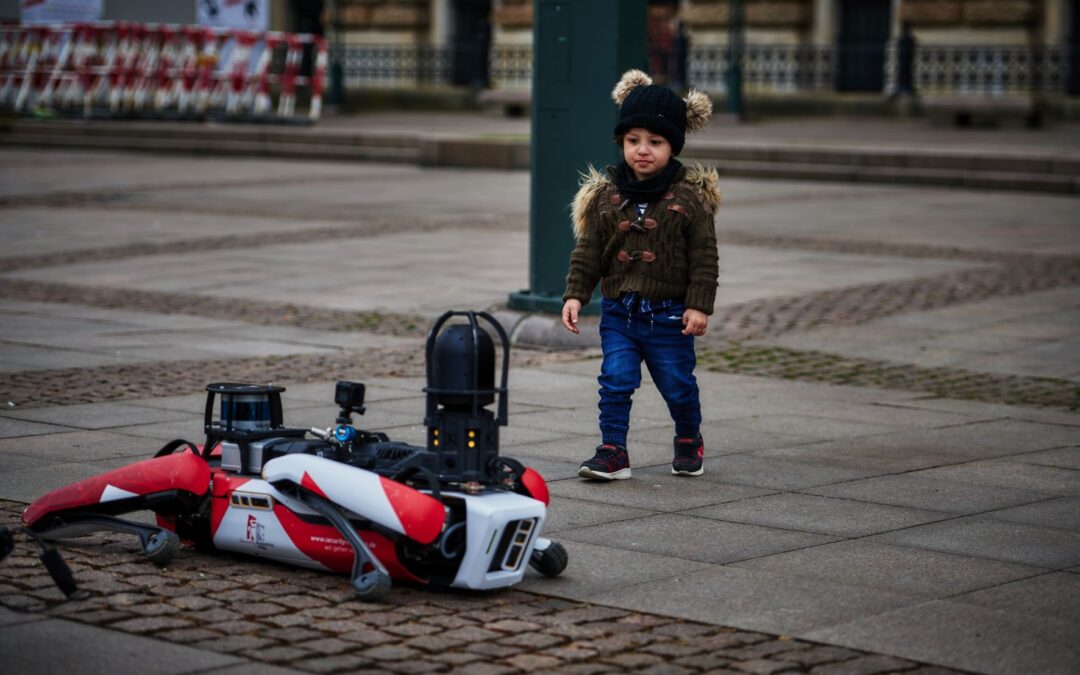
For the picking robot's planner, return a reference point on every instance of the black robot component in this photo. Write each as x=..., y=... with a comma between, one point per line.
x=250, y=427
x=462, y=432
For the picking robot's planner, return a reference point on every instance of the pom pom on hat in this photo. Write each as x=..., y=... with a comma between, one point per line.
x=631, y=80
x=698, y=110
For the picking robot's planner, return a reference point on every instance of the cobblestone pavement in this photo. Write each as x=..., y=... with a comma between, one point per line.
x=311, y=621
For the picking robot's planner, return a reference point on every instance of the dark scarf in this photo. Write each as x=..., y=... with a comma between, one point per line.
x=642, y=191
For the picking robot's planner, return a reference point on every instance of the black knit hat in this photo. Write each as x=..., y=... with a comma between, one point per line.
x=659, y=109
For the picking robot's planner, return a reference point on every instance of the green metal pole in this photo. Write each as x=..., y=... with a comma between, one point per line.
x=580, y=48
x=734, y=96
x=337, y=70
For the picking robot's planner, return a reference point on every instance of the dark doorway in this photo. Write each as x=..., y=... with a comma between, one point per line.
x=471, y=42
x=1073, y=50
x=860, y=45
x=307, y=18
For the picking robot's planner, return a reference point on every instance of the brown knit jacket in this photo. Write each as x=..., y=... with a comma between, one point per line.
x=669, y=254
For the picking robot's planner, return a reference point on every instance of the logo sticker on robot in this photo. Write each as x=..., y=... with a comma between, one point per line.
x=256, y=534
x=333, y=544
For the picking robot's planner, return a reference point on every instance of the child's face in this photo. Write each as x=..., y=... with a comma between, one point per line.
x=645, y=152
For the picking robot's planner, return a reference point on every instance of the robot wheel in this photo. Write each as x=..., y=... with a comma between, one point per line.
x=161, y=547
x=550, y=561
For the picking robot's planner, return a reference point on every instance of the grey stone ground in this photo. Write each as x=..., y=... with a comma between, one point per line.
x=885, y=519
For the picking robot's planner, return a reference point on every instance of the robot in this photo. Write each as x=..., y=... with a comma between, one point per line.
x=450, y=514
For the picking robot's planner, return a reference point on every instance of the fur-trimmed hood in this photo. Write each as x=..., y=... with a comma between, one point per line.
x=705, y=181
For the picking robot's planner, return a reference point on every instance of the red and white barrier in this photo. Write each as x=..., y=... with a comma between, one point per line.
x=159, y=70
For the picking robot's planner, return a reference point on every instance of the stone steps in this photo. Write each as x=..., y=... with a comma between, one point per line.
x=1029, y=172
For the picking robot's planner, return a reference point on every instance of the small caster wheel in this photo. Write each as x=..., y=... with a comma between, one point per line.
x=371, y=587
x=161, y=547
x=551, y=561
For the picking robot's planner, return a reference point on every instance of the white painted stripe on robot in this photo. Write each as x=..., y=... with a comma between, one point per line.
x=111, y=493
x=354, y=489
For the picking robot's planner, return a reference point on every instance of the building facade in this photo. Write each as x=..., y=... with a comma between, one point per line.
x=985, y=47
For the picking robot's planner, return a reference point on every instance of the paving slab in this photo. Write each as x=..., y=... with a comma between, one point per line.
x=1062, y=513
x=819, y=426
x=567, y=514
x=582, y=423
x=63, y=336
x=15, y=427
x=820, y=515
x=859, y=454
x=78, y=446
x=13, y=461
x=724, y=439
x=9, y=617
x=957, y=635
x=555, y=389
x=28, y=483
x=95, y=415
x=752, y=600
x=1010, y=474
x=897, y=569
x=187, y=403
x=552, y=469
x=983, y=537
x=155, y=434
x=692, y=538
x=774, y=473
x=593, y=566
x=937, y=494
x=55, y=645
x=1065, y=458
x=926, y=448
x=991, y=410
x=893, y=414
x=657, y=490
x=1053, y=595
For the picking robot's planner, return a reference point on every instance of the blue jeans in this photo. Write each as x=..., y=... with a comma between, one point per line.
x=632, y=331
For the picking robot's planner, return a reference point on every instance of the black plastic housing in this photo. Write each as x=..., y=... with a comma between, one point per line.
x=462, y=433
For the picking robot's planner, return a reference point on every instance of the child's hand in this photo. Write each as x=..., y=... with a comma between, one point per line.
x=696, y=322
x=570, y=311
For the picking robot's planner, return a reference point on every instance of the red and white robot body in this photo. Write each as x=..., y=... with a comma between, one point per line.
x=452, y=514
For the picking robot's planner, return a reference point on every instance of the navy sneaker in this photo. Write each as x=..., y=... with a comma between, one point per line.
x=689, y=456
x=611, y=462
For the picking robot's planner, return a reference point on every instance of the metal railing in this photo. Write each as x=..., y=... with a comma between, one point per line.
x=394, y=65
x=766, y=68
x=983, y=69
x=511, y=66
x=995, y=71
